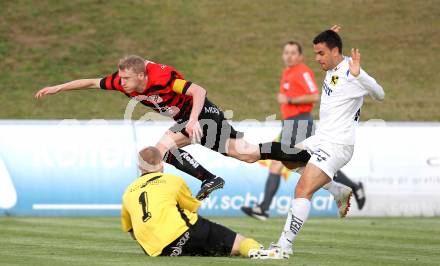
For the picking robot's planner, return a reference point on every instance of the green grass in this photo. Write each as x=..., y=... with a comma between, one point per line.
x=232, y=48
x=99, y=241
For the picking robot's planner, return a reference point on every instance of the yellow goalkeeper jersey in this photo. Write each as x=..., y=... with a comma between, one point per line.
x=158, y=208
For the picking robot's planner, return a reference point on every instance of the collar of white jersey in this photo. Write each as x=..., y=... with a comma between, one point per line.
x=345, y=58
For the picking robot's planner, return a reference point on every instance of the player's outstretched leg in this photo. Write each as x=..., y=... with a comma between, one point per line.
x=184, y=161
x=358, y=188
x=247, y=152
x=169, y=146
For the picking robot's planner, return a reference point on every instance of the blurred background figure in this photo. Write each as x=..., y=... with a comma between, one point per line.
x=297, y=94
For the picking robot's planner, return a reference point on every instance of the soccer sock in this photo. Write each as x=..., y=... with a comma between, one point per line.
x=186, y=163
x=272, y=185
x=340, y=177
x=332, y=187
x=295, y=219
x=281, y=152
x=247, y=245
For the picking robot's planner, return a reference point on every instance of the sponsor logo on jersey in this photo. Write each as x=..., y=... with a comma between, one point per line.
x=286, y=85
x=151, y=98
x=357, y=115
x=334, y=80
x=326, y=89
x=168, y=111
x=152, y=181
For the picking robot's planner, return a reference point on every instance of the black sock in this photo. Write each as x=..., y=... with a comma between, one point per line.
x=340, y=177
x=281, y=152
x=272, y=185
x=183, y=161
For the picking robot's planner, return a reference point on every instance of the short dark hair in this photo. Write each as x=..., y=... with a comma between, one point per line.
x=297, y=44
x=330, y=38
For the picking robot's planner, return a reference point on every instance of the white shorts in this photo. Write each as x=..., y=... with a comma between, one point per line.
x=327, y=156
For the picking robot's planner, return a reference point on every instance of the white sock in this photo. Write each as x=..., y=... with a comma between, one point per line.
x=332, y=187
x=296, y=217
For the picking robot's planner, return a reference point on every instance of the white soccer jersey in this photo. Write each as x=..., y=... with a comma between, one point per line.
x=341, y=102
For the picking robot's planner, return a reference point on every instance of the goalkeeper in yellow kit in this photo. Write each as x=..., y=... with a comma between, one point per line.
x=159, y=212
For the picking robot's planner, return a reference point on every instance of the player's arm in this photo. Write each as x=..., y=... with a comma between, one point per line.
x=198, y=94
x=186, y=200
x=304, y=99
x=78, y=84
x=368, y=83
x=336, y=28
x=126, y=222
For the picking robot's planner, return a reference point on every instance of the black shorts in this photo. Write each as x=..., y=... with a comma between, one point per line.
x=296, y=129
x=204, y=238
x=216, y=129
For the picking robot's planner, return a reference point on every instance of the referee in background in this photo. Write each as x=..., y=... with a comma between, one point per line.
x=297, y=95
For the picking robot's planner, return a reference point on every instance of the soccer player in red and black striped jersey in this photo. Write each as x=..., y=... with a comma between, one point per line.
x=198, y=120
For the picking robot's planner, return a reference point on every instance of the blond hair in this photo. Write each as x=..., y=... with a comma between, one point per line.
x=134, y=62
x=149, y=159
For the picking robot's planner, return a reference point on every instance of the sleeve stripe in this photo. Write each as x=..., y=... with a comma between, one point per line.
x=102, y=83
x=186, y=87
x=117, y=84
x=113, y=81
x=309, y=81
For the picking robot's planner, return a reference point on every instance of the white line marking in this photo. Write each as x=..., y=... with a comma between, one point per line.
x=76, y=206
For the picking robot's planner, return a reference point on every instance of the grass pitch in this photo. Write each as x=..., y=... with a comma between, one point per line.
x=324, y=241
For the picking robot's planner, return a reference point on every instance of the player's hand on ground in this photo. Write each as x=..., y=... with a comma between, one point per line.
x=194, y=131
x=47, y=91
x=282, y=99
x=355, y=62
x=336, y=28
